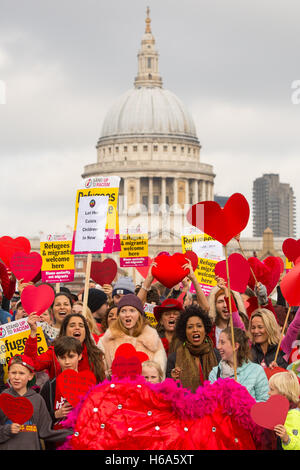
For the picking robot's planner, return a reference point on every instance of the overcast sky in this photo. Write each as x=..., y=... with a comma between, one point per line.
x=63, y=63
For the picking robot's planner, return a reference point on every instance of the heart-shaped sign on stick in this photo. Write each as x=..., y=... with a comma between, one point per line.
x=37, y=299
x=17, y=409
x=192, y=256
x=104, y=272
x=26, y=266
x=73, y=385
x=291, y=249
x=128, y=361
x=221, y=224
x=169, y=270
x=267, y=272
x=290, y=286
x=270, y=413
x=239, y=272
x=8, y=246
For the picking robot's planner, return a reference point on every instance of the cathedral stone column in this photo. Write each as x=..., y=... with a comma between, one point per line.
x=175, y=191
x=150, y=202
x=195, y=191
x=163, y=191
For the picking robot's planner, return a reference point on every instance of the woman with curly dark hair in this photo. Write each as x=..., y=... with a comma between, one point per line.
x=195, y=357
x=74, y=325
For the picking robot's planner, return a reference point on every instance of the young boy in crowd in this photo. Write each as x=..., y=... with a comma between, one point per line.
x=68, y=351
x=14, y=436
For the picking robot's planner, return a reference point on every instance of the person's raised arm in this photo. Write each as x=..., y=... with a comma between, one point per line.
x=201, y=297
x=146, y=285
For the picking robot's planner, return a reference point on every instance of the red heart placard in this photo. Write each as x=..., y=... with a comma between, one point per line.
x=8, y=246
x=104, y=272
x=168, y=269
x=291, y=249
x=128, y=361
x=290, y=286
x=37, y=299
x=26, y=266
x=17, y=409
x=73, y=385
x=270, y=413
x=221, y=224
x=128, y=350
x=192, y=256
x=143, y=270
x=239, y=272
x=267, y=272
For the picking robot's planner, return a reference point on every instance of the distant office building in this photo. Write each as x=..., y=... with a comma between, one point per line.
x=221, y=200
x=274, y=206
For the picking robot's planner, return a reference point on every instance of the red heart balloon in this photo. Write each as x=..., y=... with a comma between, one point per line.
x=17, y=409
x=169, y=269
x=270, y=413
x=37, y=299
x=8, y=246
x=192, y=256
x=73, y=385
x=239, y=272
x=290, y=286
x=291, y=249
x=104, y=272
x=26, y=266
x=267, y=272
x=221, y=224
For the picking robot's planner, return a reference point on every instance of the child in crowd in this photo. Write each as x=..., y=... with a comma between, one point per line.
x=68, y=351
x=152, y=372
x=287, y=384
x=14, y=436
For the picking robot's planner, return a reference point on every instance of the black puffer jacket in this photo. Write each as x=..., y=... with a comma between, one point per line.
x=258, y=356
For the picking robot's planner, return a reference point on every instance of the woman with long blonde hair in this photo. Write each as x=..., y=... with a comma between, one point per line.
x=265, y=336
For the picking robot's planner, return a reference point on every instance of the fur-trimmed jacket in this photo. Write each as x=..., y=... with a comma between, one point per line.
x=148, y=342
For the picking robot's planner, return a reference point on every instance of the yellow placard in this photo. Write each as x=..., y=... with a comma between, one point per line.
x=288, y=264
x=188, y=240
x=148, y=310
x=112, y=212
x=134, y=245
x=13, y=337
x=57, y=255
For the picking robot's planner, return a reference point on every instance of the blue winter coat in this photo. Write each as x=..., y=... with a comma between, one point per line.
x=250, y=375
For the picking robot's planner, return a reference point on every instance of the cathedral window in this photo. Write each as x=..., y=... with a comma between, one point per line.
x=145, y=148
x=165, y=148
x=155, y=148
x=135, y=148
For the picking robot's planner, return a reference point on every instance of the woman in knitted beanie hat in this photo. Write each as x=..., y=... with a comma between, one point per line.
x=132, y=327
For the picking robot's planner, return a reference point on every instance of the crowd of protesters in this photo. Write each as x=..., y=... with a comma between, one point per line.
x=191, y=344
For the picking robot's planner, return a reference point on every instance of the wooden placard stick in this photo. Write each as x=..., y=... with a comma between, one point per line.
x=243, y=253
x=230, y=311
x=86, y=284
x=57, y=287
x=282, y=333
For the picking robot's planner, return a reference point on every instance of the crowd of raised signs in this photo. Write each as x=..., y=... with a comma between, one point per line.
x=186, y=354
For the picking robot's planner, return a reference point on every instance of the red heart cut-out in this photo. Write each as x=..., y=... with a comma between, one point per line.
x=73, y=385
x=26, y=266
x=291, y=249
x=270, y=413
x=192, y=256
x=126, y=367
x=239, y=272
x=267, y=272
x=37, y=299
x=220, y=223
x=168, y=270
x=290, y=286
x=8, y=246
x=104, y=272
x=17, y=409
x=127, y=350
